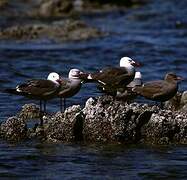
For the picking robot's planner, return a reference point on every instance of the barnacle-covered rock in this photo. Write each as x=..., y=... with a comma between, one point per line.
x=103, y=119
x=14, y=129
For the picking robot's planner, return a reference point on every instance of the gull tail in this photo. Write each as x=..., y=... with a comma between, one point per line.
x=12, y=91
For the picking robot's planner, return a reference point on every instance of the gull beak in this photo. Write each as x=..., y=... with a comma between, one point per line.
x=136, y=64
x=179, y=78
x=83, y=75
x=60, y=80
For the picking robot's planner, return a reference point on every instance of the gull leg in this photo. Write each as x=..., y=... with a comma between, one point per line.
x=40, y=105
x=41, y=114
x=64, y=104
x=44, y=112
x=45, y=107
x=61, y=104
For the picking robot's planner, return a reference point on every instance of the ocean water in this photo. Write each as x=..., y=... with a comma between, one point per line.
x=155, y=35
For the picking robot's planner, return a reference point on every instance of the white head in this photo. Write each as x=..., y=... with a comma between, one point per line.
x=127, y=62
x=53, y=77
x=74, y=74
x=138, y=75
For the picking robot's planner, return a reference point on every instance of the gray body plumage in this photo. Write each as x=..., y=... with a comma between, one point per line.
x=69, y=87
x=160, y=90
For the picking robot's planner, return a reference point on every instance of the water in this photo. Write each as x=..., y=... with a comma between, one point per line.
x=54, y=161
x=156, y=35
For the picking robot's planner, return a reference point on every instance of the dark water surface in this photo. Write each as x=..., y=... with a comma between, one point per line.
x=156, y=35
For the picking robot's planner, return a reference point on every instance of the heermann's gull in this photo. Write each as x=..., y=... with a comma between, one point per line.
x=112, y=78
x=160, y=90
x=127, y=94
x=70, y=86
x=40, y=89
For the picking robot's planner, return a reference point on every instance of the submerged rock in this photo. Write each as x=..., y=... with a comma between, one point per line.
x=103, y=119
x=60, y=31
x=59, y=8
x=51, y=8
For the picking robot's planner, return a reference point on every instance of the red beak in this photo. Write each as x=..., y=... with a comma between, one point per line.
x=60, y=80
x=136, y=64
x=179, y=78
x=83, y=75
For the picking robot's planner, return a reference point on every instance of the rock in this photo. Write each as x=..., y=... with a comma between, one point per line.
x=166, y=124
x=66, y=30
x=174, y=103
x=104, y=120
x=3, y=3
x=183, y=102
x=178, y=102
x=78, y=5
x=29, y=111
x=65, y=127
x=59, y=8
x=14, y=129
x=184, y=98
x=55, y=8
x=107, y=120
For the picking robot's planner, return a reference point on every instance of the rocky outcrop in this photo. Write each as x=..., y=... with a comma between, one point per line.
x=14, y=129
x=103, y=119
x=22, y=20
x=178, y=102
x=55, y=8
x=108, y=120
x=65, y=127
x=60, y=31
x=28, y=112
x=166, y=127
x=58, y=8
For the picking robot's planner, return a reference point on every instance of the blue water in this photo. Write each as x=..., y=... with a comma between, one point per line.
x=155, y=35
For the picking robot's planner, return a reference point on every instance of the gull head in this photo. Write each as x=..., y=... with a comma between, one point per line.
x=128, y=62
x=53, y=77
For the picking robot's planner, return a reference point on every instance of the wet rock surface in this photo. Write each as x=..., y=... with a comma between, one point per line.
x=103, y=119
x=59, y=8
x=65, y=127
x=59, y=31
x=14, y=129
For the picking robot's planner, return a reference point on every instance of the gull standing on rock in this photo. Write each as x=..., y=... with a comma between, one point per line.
x=160, y=90
x=112, y=78
x=40, y=89
x=70, y=86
